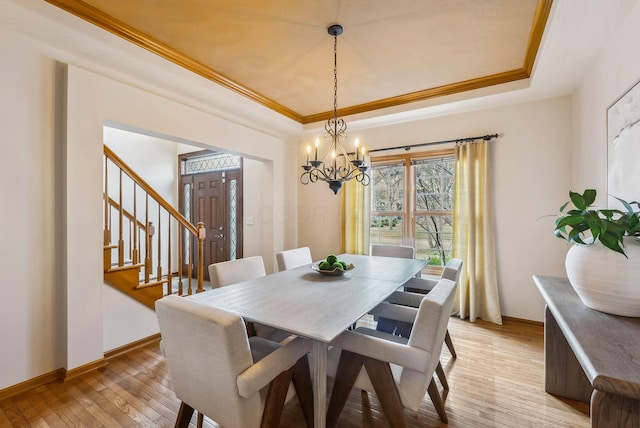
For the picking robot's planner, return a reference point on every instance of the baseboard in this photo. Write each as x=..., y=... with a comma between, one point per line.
x=63, y=375
x=154, y=338
x=86, y=368
x=523, y=321
x=27, y=385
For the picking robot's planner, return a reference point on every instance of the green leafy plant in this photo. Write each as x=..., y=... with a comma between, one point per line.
x=607, y=226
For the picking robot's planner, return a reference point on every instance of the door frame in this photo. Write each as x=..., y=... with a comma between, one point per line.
x=186, y=178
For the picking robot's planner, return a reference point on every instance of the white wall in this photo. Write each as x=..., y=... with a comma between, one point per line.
x=51, y=252
x=28, y=233
x=124, y=320
x=612, y=74
x=531, y=173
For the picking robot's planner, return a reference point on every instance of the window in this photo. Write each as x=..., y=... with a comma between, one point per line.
x=209, y=161
x=412, y=203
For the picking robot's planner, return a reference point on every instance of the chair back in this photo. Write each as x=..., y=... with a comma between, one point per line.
x=428, y=333
x=234, y=271
x=294, y=258
x=399, y=251
x=206, y=348
x=452, y=270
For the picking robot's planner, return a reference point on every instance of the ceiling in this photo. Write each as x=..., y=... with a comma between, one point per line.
x=280, y=55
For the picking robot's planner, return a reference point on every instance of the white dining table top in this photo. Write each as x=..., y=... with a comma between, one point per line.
x=308, y=304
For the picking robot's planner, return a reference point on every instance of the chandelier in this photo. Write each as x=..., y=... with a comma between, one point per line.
x=335, y=166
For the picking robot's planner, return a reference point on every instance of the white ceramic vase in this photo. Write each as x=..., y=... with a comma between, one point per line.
x=605, y=280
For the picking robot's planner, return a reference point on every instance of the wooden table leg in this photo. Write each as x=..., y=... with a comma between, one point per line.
x=319, y=358
x=563, y=374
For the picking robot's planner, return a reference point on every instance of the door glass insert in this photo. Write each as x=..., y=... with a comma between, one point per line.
x=187, y=214
x=233, y=216
x=210, y=163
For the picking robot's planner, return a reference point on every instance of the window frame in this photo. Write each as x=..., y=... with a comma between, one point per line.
x=410, y=211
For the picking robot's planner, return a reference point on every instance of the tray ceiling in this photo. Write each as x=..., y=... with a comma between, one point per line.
x=279, y=54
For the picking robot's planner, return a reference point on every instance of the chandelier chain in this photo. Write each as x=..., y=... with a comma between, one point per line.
x=335, y=76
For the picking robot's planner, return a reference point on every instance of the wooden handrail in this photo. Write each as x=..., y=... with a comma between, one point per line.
x=150, y=191
x=199, y=231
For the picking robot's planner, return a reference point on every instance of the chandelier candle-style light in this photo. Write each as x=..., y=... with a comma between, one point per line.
x=335, y=166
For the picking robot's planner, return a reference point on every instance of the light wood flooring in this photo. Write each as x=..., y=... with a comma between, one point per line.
x=496, y=381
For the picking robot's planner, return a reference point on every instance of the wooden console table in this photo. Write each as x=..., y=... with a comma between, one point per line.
x=591, y=356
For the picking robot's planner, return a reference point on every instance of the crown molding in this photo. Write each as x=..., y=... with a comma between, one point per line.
x=440, y=91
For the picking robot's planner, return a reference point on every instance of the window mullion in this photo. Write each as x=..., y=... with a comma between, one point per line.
x=409, y=203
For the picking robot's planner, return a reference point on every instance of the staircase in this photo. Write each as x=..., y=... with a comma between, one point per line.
x=150, y=249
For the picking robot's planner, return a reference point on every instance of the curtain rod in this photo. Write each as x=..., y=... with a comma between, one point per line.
x=457, y=140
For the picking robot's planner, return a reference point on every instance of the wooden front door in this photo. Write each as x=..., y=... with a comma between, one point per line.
x=216, y=201
x=209, y=207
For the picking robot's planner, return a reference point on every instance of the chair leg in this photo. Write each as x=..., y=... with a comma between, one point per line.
x=437, y=401
x=251, y=329
x=382, y=380
x=184, y=415
x=348, y=369
x=276, y=396
x=442, y=377
x=302, y=384
x=449, y=343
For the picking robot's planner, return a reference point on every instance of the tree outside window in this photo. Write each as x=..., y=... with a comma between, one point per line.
x=412, y=204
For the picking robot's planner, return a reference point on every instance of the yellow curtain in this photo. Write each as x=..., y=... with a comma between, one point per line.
x=473, y=234
x=354, y=219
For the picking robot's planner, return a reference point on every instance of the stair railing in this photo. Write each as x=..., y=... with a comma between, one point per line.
x=135, y=237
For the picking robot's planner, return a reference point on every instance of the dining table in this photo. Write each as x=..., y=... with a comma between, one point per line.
x=315, y=306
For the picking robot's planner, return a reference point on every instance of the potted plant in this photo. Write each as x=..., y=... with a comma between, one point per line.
x=603, y=265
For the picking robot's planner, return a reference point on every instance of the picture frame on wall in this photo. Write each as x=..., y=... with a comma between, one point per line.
x=623, y=148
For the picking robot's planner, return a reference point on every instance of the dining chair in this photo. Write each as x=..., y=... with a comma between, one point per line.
x=233, y=271
x=423, y=285
x=289, y=259
x=217, y=370
x=398, y=370
x=451, y=271
x=400, y=251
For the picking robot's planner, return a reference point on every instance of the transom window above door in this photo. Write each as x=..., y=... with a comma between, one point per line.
x=210, y=162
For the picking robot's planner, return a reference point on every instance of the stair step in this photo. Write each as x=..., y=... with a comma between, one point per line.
x=126, y=267
x=151, y=284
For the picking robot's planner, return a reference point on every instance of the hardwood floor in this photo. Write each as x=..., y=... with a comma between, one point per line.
x=496, y=381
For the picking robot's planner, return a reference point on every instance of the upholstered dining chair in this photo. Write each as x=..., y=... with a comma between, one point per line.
x=230, y=272
x=218, y=371
x=289, y=259
x=400, y=251
x=424, y=285
x=233, y=271
x=398, y=370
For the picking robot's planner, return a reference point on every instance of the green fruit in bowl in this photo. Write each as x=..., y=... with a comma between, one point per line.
x=344, y=265
x=324, y=266
x=337, y=265
x=332, y=258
